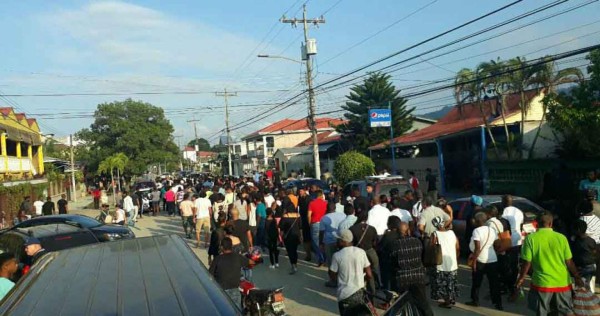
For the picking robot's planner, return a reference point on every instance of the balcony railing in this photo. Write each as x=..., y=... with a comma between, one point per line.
x=16, y=165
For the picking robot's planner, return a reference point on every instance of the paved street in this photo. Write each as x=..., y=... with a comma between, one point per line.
x=305, y=292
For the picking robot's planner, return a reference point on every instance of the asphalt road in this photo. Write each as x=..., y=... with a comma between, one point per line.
x=305, y=292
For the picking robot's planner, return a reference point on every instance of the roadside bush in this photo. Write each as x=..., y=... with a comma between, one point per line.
x=352, y=165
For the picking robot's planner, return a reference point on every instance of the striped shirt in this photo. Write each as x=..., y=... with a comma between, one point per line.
x=593, y=227
x=405, y=260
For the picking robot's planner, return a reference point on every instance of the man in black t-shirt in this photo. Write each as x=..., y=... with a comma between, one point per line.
x=241, y=229
x=63, y=204
x=226, y=267
x=48, y=207
x=365, y=238
x=303, y=201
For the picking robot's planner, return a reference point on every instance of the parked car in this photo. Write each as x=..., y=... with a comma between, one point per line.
x=381, y=185
x=102, y=231
x=463, y=211
x=53, y=237
x=306, y=182
x=86, y=281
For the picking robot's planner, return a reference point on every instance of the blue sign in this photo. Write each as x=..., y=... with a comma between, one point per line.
x=380, y=117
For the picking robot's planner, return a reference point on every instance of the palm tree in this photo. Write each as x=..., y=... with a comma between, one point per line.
x=116, y=162
x=470, y=86
x=106, y=166
x=119, y=162
x=496, y=83
x=549, y=78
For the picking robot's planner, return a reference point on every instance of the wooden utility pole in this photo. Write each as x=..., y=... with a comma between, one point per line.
x=226, y=94
x=307, y=52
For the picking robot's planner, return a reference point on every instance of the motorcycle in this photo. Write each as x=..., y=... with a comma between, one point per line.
x=259, y=302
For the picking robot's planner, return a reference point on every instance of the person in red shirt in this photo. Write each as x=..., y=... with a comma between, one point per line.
x=269, y=174
x=96, y=195
x=170, y=197
x=316, y=210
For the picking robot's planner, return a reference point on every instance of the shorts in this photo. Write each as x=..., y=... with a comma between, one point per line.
x=200, y=222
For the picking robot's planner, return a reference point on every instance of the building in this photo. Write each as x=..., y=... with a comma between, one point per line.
x=21, y=146
x=458, y=146
x=262, y=144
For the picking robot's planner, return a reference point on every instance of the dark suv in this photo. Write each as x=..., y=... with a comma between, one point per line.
x=53, y=237
x=381, y=185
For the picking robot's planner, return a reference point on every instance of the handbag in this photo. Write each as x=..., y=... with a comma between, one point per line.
x=433, y=253
x=585, y=302
x=504, y=241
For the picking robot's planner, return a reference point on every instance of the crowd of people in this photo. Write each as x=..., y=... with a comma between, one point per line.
x=371, y=243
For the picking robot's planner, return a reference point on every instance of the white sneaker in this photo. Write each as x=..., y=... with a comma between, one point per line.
x=277, y=265
x=272, y=266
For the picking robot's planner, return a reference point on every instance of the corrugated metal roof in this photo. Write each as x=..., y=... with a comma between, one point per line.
x=144, y=276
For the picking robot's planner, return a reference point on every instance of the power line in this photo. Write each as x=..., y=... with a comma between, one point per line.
x=133, y=93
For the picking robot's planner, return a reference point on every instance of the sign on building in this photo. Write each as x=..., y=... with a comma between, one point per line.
x=380, y=117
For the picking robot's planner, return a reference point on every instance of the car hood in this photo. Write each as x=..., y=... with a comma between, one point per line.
x=109, y=228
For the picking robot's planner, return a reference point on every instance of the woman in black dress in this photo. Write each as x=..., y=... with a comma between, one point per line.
x=216, y=237
x=290, y=227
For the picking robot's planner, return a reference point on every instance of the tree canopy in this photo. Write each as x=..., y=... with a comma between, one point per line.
x=351, y=166
x=576, y=114
x=138, y=130
x=374, y=92
x=203, y=144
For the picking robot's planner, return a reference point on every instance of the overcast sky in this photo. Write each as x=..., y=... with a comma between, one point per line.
x=127, y=48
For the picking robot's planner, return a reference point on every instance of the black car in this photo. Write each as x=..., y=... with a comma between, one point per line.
x=306, y=182
x=103, y=232
x=53, y=237
x=157, y=275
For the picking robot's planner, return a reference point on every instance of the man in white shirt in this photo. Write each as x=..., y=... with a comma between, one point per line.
x=403, y=215
x=269, y=199
x=37, y=205
x=378, y=217
x=203, y=209
x=349, y=266
x=515, y=218
x=128, y=205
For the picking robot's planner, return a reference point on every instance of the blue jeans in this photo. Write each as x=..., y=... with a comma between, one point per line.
x=261, y=237
x=314, y=231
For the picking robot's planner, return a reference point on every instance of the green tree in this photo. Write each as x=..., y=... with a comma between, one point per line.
x=203, y=144
x=374, y=92
x=138, y=130
x=576, y=115
x=352, y=165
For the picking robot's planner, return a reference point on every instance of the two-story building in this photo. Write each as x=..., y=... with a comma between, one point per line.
x=262, y=144
x=21, y=146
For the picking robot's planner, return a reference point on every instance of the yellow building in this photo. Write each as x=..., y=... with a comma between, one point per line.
x=21, y=146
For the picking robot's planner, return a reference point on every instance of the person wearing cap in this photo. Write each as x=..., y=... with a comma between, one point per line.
x=34, y=249
x=445, y=284
x=349, y=266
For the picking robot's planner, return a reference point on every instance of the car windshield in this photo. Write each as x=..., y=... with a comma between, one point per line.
x=87, y=222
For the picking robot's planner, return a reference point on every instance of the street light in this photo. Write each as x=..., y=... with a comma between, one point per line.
x=280, y=57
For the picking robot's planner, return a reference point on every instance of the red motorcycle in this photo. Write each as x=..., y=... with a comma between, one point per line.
x=261, y=302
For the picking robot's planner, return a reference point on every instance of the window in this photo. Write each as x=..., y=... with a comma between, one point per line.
x=270, y=142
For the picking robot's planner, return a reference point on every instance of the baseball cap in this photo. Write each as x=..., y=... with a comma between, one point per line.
x=32, y=241
x=344, y=235
x=477, y=200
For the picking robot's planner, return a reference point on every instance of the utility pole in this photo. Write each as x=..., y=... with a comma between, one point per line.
x=196, y=146
x=73, y=191
x=309, y=49
x=226, y=94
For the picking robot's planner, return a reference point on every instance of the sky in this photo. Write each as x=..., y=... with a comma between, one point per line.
x=184, y=51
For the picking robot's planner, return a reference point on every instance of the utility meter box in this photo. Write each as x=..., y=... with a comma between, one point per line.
x=311, y=46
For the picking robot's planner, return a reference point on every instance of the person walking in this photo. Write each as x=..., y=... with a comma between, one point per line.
x=430, y=211
x=290, y=228
x=226, y=269
x=96, y=195
x=241, y=230
x=303, y=202
x=48, y=208
x=316, y=210
x=37, y=206
x=327, y=240
x=155, y=202
x=365, y=237
x=413, y=181
x=515, y=218
x=63, y=204
x=187, y=210
x=261, y=220
x=593, y=225
x=445, y=284
x=272, y=232
x=216, y=237
x=350, y=266
x=484, y=261
x=584, y=252
x=129, y=208
x=549, y=254
x=404, y=255
x=202, y=219
x=350, y=219
x=378, y=216
x=170, y=198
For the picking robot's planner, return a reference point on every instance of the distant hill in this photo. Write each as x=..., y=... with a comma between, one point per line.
x=436, y=115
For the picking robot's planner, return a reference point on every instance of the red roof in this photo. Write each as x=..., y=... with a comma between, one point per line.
x=289, y=125
x=205, y=154
x=322, y=138
x=453, y=122
x=20, y=116
x=189, y=148
x=31, y=121
x=6, y=111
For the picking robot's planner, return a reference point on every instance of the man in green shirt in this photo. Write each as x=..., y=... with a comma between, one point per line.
x=549, y=254
x=8, y=267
